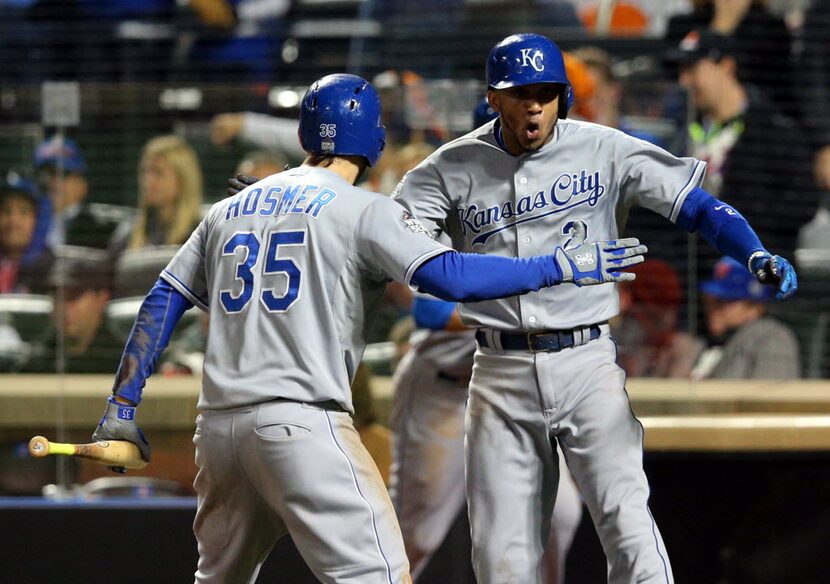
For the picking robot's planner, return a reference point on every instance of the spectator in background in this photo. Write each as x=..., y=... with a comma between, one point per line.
x=82, y=277
x=649, y=343
x=757, y=155
x=602, y=103
x=237, y=40
x=744, y=343
x=760, y=37
x=261, y=130
x=25, y=259
x=170, y=194
x=74, y=220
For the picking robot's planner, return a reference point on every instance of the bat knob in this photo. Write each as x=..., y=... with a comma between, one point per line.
x=38, y=447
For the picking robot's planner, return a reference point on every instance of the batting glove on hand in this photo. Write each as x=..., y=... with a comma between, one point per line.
x=774, y=271
x=239, y=183
x=118, y=423
x=601, y=262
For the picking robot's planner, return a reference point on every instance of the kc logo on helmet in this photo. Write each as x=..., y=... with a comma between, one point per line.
x=534, y=60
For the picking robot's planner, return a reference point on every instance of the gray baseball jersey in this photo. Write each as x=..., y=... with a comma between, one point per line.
x=580, y=185
x=585, y=179
x=288, y=269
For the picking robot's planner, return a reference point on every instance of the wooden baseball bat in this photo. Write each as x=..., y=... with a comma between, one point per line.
x=109, y=452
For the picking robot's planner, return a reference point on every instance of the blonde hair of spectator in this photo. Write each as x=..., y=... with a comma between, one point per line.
x=176, y=152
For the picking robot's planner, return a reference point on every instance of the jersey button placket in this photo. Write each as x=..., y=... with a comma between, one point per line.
x=524, y=240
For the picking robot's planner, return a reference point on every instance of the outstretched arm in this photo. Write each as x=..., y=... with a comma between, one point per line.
x=729, y=233
x=465, y=277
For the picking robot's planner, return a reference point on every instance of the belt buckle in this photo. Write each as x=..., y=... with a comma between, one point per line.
x=544, y=349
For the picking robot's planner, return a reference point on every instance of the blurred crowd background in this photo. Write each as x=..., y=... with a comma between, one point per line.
x=175, y=96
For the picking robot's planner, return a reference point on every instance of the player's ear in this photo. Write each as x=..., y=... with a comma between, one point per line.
x=493, y=100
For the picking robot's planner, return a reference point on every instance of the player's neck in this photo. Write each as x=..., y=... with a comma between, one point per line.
x=347, y=168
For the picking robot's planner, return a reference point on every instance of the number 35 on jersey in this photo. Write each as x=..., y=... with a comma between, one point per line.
x=270, y=270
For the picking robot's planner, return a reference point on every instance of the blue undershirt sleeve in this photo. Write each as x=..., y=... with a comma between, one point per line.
x=720, y=224
x=432, y=314
x=161, y=310
x=470, y=277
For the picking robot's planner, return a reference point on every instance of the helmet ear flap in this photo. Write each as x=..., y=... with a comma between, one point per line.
x=566, y=100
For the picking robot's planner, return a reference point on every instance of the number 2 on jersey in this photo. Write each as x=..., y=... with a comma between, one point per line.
x=273, y=265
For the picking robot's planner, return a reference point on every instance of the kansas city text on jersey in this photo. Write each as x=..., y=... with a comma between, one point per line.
x=566, y=192
x=308, y=199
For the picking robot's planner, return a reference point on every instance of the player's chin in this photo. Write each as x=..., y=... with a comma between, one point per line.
x=534, y=136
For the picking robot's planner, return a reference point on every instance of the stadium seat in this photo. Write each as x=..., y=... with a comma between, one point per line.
x=121, y=313
x=138, y=269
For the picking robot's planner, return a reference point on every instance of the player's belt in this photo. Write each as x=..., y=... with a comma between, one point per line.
x=551, y=341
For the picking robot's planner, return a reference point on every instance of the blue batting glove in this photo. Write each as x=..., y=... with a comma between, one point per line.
x=774, y=271
x=118, y=423
x=599, y=263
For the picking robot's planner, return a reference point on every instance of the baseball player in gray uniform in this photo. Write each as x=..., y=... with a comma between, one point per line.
x=545, y=364
x=288, y=271
x=427, y=422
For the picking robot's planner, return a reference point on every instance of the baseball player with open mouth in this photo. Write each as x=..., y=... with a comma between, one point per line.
x=545, y=364
x=427, y=422
x=290, y=271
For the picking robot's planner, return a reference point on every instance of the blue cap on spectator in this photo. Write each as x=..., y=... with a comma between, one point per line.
x=733, y=281
x=16, y=183
x=49, y=152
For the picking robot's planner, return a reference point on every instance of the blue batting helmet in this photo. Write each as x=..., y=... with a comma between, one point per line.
x=340, y=116
x=523, y=59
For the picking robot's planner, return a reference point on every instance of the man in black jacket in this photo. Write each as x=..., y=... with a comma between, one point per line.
x=82, y=280
x=74, y=220
x=758, y=157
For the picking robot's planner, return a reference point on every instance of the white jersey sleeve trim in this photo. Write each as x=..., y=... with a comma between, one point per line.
x=413, y=267
x=694, y=181
x=186, y=292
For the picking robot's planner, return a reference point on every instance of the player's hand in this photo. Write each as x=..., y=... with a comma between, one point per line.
x=601, y=262
x=239, y=183
x=118, y=423
x=775, y=271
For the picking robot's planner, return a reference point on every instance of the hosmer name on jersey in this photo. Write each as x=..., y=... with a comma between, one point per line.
x=569, y=190
x=307, y=199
